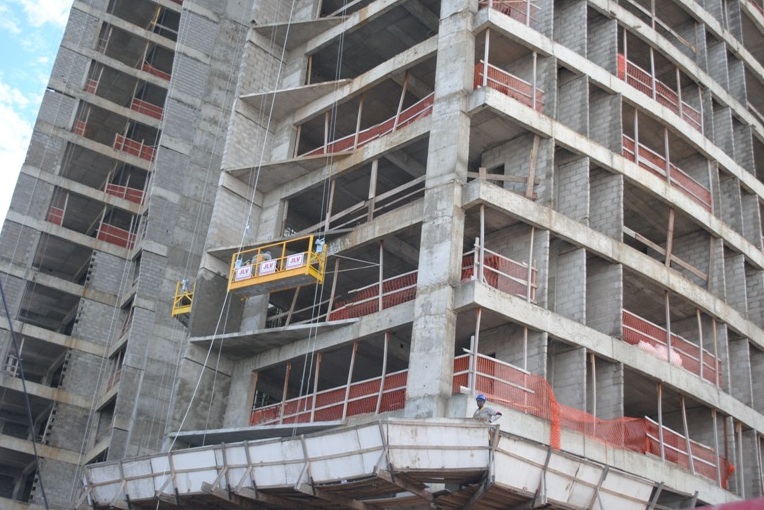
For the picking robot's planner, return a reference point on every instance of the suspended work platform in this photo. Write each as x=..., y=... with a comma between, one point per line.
x=279, y=266
x=184, y=298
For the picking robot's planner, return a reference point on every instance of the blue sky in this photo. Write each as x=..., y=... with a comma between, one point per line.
x=30, y=32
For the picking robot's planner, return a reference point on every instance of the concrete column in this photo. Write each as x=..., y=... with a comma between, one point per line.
x=606, y=203
x=734, y=276
x=210, y=292
x=731, y=211
x=757, y=378
x=573, y=101
x=754, y=289
x=716, y=284
x=722, y=134
x=742, y=135
x=572, y=189
x=568, y=289
x=751, y=219
x=602, y=42
x=567, y=374
x=570, y=24
x=606, y=119
x=432, y=344
x=737, y=80
x=750, y=466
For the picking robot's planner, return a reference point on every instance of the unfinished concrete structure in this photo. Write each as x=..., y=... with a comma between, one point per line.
x=555, y=203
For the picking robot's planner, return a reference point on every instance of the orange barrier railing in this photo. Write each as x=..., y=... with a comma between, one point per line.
x=146, y=108
x=498, y=271
x=115, y=235
x=55, y=215
x=523, y=11
x=78, y=127
x=508, y=386
x=131, y=194
x=501, y=273
x=91, y=86
x=155, y=71
x=651, y=338
x=657, y=164
x=491, y=76
x=379, y=394
x=420, y=109
x=648, y=85
x=133, y=147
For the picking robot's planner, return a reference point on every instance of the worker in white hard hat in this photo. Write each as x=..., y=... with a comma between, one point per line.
x=485, y=412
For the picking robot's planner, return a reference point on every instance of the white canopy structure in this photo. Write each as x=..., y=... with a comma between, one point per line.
x=391, y=463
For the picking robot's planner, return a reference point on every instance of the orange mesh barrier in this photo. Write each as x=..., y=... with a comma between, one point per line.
x=502, y=273
x=365, y=301
x=91, y=86
x=521, y=10
x=651, y=338
x=507, y=84
x=420, y=109
x=656, y=164
x=645, y=83
x=79, y=127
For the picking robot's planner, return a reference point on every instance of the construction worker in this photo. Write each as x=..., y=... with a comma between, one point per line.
x=485, y=412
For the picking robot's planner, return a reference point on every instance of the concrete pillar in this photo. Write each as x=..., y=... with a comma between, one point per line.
x=737, y=80
x=602, y=42
x=717, y=62
x=432, y=344
x=731, y=211
x=734, y=276
x=754, y=289
x=606, y=119
x=573, y=101
x=751, y=219
x=757, y=378
x=722, y=133
x=604, y=296
x=606, y=203
x=752, y=482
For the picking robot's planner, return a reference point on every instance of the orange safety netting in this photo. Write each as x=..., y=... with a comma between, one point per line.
x=508, y=84
x=521, y=10
x=502, y=273
x=365, y=301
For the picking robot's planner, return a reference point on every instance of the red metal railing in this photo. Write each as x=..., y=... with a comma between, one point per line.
x=657, y=164
x=146, y=108
x=501, y=273
x=55, y=215
x=758, y=7
x=131, y=194
x=116, y=235
x=648, y=85
x=420, y=109
x=508, y=84
x=498, y=271
x=510, y=387
x=79, y=127
x=155, y=71
x=133, y=147
x=651, y=338
x=91, y=86
x=523, y=11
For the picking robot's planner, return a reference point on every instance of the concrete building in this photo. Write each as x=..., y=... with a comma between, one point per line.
x=557, y=204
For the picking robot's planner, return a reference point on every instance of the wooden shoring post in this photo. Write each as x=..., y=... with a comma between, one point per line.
x=252, y=394
x=372, y=190
x=700, y=102
x=404, y=89
x=660, y=420
x=309, y=70
x=284, y=392
x=679, y=92
x=716, y=447
x=358, y=122
x=529, y=288
x=593, y=361
x=670, y=237
x=327, y=126
x=486, y=52
x=529, y=188
x=298, y=134
x=741, y=474
x=334, y=286
x=667, y=303
x=525, y=348
x=66, y=205
x=652, y=72
x=475, y=349
x=687, y=441
x=534, y=81
x=329, y=205
x=315, y=386
x=636, y=136
x=716, y=352
x=700, y=341
x=384, y=372
x=625, y=53
x=482, y=243
x=292, y=306
x=350, y=380
x=667, y=155
x=760, y=480
x=652, y=13
x=381, y=274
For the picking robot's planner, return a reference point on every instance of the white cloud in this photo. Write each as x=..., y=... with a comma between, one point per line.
x=40, y=12
x=15, y=133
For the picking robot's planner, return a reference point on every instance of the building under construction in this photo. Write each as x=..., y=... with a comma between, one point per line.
x=265, y=253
